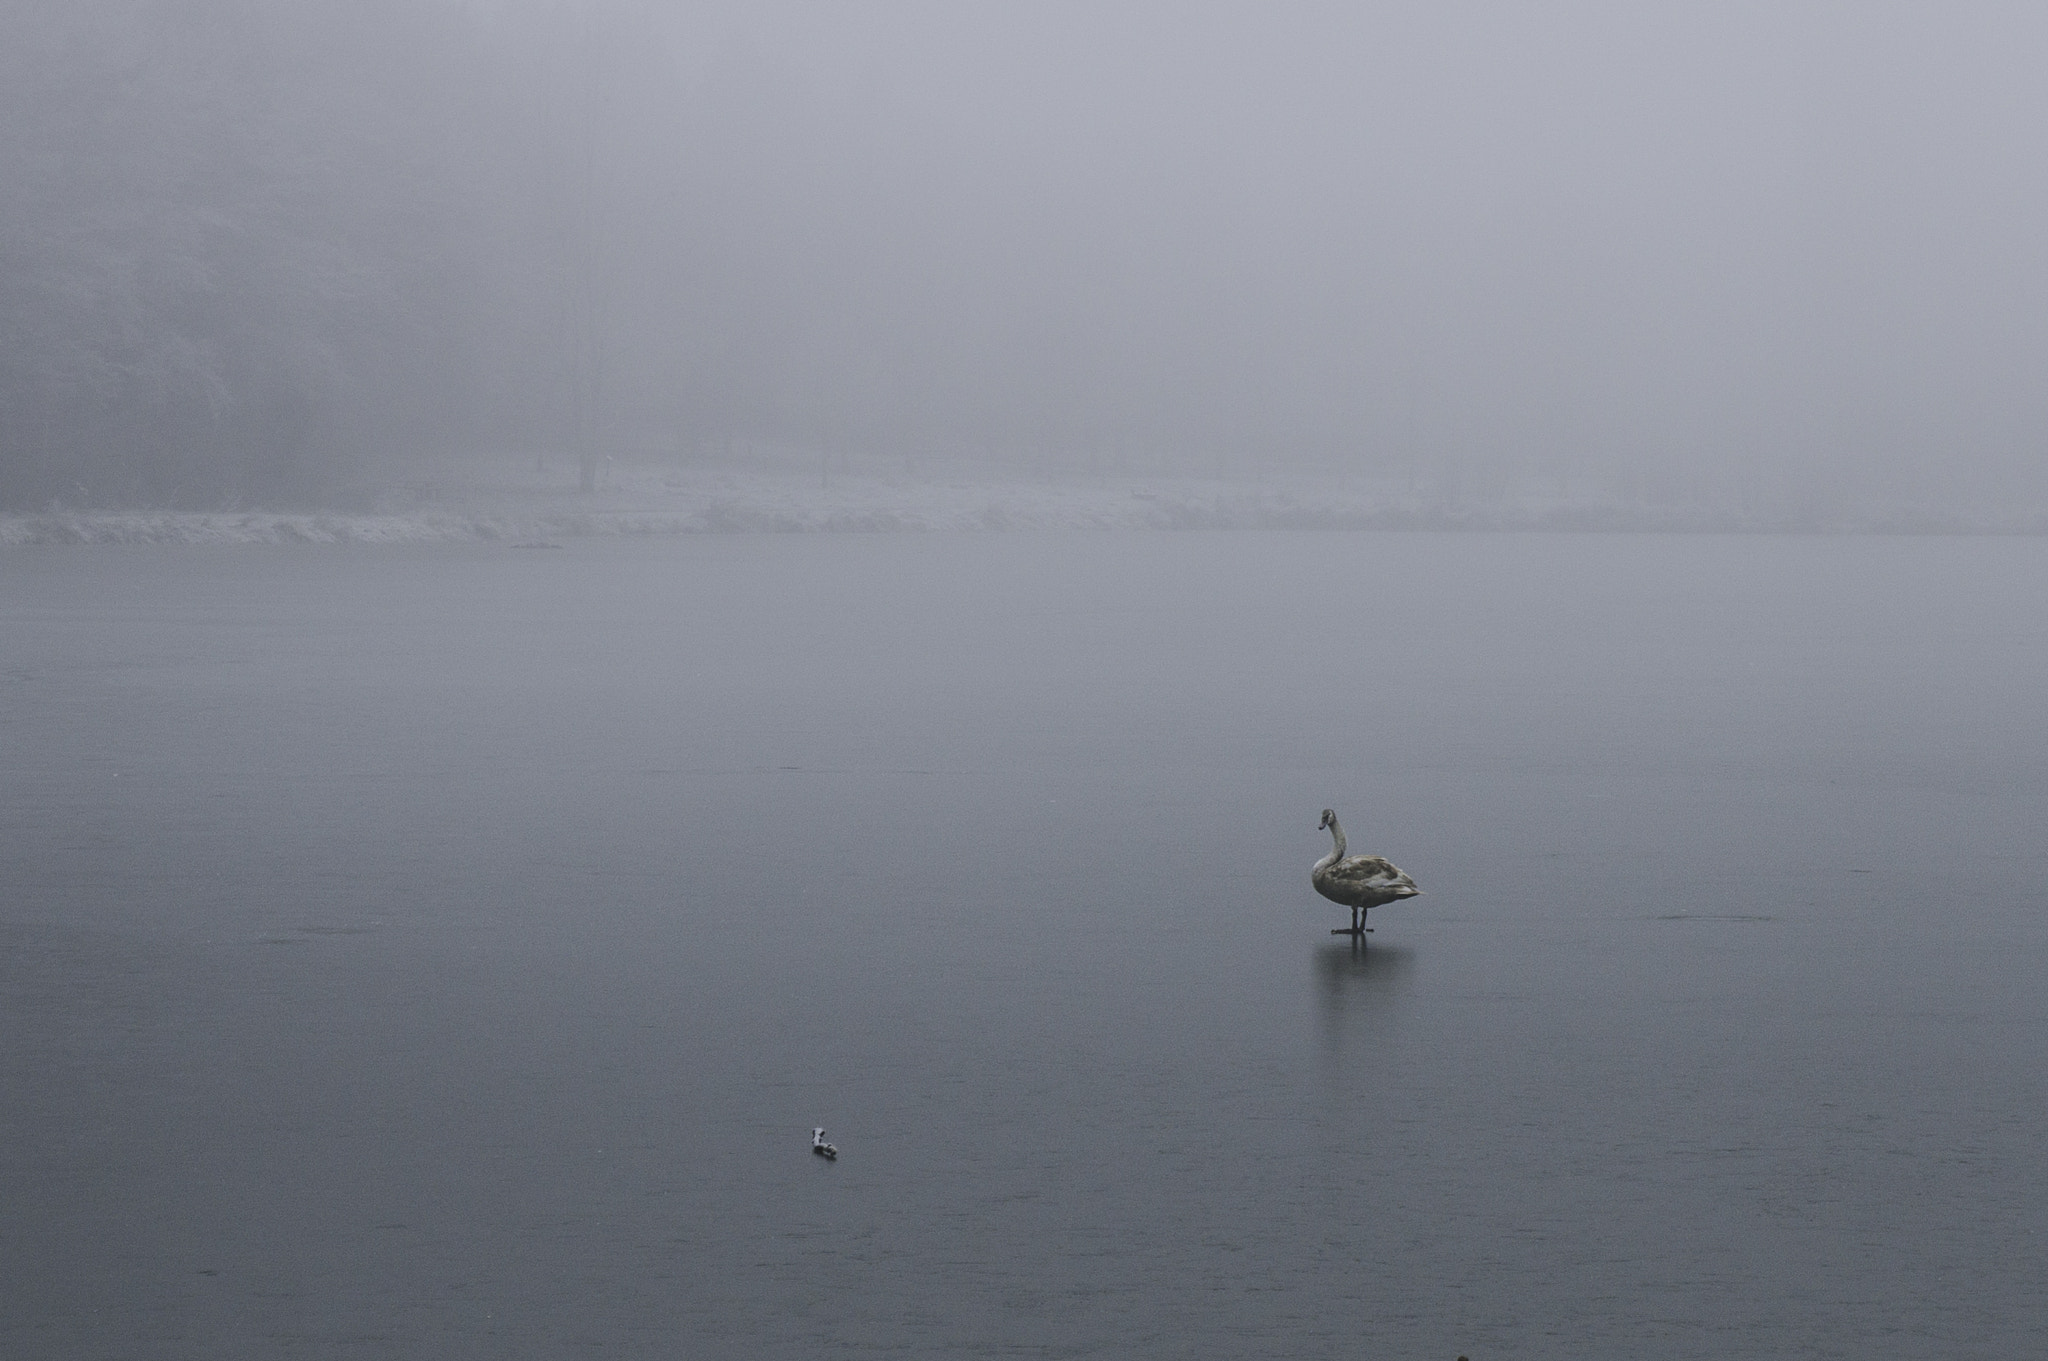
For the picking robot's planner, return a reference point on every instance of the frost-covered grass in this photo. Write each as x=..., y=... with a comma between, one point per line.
x=657, y=501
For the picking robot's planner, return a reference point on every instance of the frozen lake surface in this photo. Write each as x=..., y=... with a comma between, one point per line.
x=447, y=951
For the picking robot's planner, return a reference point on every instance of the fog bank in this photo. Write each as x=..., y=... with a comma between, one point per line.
x=1777, y=258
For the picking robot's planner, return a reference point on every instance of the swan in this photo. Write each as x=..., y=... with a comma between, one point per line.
x=1361, y=882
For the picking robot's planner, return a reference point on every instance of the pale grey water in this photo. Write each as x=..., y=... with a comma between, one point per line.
x=448, y=952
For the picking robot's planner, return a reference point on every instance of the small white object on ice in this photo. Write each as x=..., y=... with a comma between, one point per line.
x=819, y=1146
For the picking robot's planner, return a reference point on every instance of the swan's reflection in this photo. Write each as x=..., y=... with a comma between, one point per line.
x=1360, y=983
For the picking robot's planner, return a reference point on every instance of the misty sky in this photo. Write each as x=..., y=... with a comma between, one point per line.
x=1783, y=247
x=1576, y=236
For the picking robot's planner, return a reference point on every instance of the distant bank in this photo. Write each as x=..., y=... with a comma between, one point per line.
x=667, y=502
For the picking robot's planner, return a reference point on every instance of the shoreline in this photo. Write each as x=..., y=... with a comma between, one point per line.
x=662, y=503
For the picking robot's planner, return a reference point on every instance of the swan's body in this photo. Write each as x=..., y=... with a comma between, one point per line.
x=1360, y=882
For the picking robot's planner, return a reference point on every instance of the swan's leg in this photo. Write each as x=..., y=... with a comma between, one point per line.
x=1354, y=921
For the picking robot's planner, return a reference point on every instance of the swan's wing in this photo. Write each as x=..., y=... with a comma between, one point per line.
x=1360, y=868
x=1369, y=871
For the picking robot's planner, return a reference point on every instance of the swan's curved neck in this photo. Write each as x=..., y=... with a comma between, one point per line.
x=1336, y=835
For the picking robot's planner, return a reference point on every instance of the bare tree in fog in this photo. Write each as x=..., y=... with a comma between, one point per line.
x=575, y=93
x=229, y=257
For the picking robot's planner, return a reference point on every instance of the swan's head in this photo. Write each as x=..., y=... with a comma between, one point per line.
x=1329, y=820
